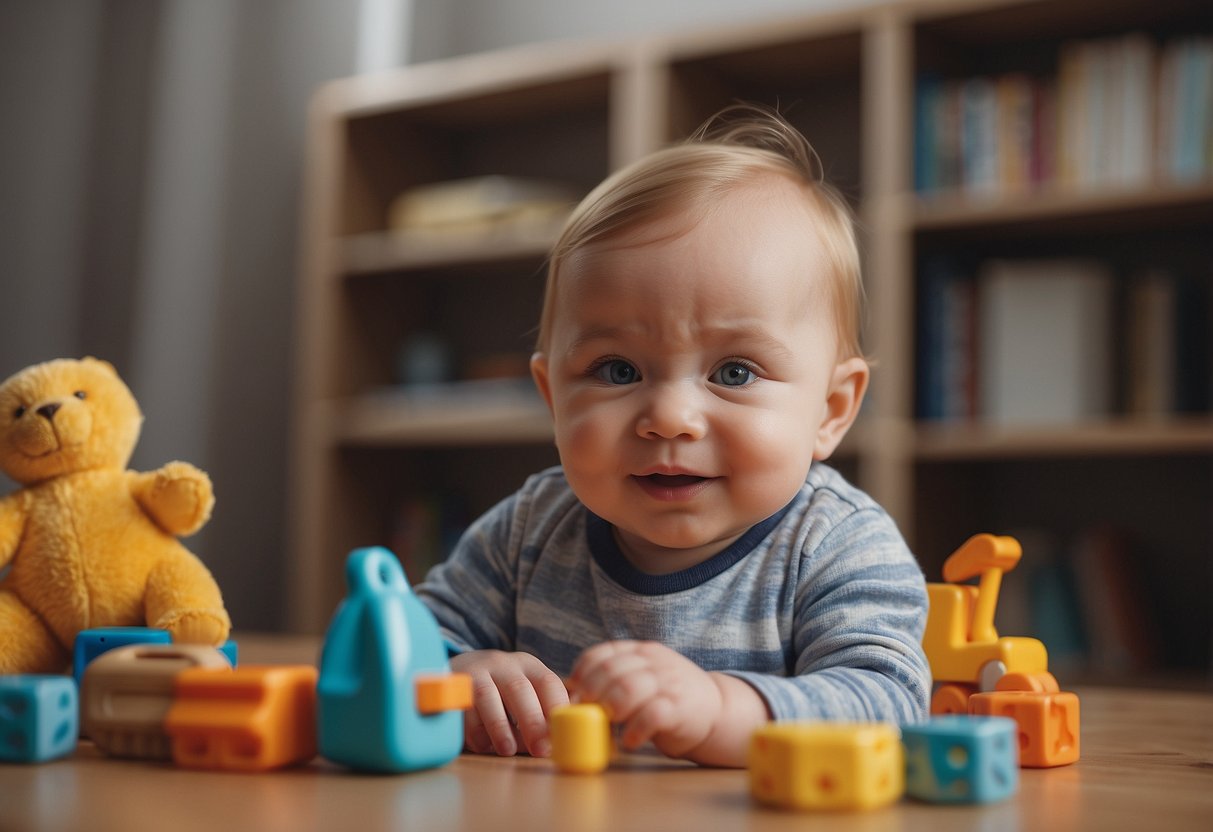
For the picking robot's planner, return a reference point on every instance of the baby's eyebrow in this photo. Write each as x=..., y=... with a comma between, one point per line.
x=731, y=337
x=602, y=333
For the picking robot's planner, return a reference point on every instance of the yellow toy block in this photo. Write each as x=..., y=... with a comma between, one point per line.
x=1048, y=723
x=581, y=738
x=821, y=765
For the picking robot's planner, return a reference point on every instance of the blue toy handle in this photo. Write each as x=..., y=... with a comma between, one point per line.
x=373, y=571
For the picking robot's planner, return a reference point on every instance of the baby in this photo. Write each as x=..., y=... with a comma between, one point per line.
x=688, y=565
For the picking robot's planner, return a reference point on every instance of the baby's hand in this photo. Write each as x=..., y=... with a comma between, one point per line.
x=512, y=696
x=655, y=692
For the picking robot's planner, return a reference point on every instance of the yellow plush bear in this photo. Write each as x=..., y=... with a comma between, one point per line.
x=88, y=543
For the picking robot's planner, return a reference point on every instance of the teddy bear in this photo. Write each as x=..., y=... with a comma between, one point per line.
x=84, y=542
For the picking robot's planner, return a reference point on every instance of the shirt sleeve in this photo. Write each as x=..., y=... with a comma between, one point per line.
x=860, y=611
x=472, y=592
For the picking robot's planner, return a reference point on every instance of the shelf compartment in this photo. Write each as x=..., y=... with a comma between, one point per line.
x=977, y=442
x=455, y=415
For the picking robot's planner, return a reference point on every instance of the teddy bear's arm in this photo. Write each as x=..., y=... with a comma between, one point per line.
x=183, y=598
x=12, y=524
x=178, y=497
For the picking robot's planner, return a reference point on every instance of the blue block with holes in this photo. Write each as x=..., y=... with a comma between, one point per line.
x=39, y=717
x=962, y=759
x=381, y=637
x=92, y=643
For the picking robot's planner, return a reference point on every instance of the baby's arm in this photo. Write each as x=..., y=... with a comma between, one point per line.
x=859, y=613
x=513, y=696
x=472, y=596
x=659, y=695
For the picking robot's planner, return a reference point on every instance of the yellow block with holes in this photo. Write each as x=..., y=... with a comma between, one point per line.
x=823, y=765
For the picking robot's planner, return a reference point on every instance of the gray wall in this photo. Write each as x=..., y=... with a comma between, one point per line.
x=151, y=160
x=443, y=28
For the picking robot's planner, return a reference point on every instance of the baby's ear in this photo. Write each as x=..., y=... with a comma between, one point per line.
x=539, y=372
x=847, y=387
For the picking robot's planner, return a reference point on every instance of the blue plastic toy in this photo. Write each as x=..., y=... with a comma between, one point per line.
x=92, y=643
x=39, y=717
x=962, y=759
x=379, y=640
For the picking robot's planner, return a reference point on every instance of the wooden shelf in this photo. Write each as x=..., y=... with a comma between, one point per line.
x=459, y=415
x=388, y=251
x=975, y=442
x=1064, y=209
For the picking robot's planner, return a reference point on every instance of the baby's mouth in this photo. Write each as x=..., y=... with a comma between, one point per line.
x=672, y=487
x=673, y=480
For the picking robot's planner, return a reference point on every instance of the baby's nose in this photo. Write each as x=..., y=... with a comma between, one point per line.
x=48, y=410
x=672, y=411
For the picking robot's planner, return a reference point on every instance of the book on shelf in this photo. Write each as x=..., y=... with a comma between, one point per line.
x=1118, y=112
x=1060, y=341
x=1044, y=341
x=1119, y=630
x=947, y=373
x=1151, y=368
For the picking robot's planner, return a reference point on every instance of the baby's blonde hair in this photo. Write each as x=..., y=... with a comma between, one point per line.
x=731, y=148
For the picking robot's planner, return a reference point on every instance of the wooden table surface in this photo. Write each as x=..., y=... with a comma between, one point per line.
x=1147, y=764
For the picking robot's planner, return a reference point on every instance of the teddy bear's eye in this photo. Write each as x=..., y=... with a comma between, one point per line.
x=19, y=412
x=80, y=394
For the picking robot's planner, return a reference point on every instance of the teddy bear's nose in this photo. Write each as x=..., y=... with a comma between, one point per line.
x=47, y=411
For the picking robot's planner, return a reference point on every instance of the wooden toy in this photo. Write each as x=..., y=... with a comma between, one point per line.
x=965, y=651
x=38, y=717
x=961, y=759
x=381, y=649
x=93, y=642
x=128, y=691
x=253, y=718
x=1048, y=723
x=581, y=738
x=823, y=765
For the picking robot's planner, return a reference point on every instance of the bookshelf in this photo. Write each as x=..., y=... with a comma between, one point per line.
x=368, y=450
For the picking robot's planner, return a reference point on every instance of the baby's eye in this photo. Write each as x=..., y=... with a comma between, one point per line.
x=617, y=371
x=733, y=374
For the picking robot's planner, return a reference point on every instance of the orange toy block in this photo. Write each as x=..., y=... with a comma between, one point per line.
x=1048, y=723
x=441, y=692
x=252, y=718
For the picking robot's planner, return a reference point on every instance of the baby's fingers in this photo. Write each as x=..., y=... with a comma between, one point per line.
x=655, y=717
x=522, y=703
x=495, y=724
x=475, y=735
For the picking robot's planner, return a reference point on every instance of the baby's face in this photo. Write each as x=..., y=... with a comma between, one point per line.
x=688, y=372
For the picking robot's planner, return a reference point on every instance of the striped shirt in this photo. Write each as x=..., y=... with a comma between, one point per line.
x=820, y=607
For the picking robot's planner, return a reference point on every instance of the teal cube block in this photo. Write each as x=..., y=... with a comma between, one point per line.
x=962, y=759
x=39, y=717
x=380, y=639
x=92, y=643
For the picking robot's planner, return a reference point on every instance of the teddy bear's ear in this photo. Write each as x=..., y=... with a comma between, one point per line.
x=88, y=359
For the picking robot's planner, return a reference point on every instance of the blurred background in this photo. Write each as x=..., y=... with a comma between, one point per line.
x=159, y=210
x=151, y=157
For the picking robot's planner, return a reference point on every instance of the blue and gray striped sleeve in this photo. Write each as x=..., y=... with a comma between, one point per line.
x=859, y=613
